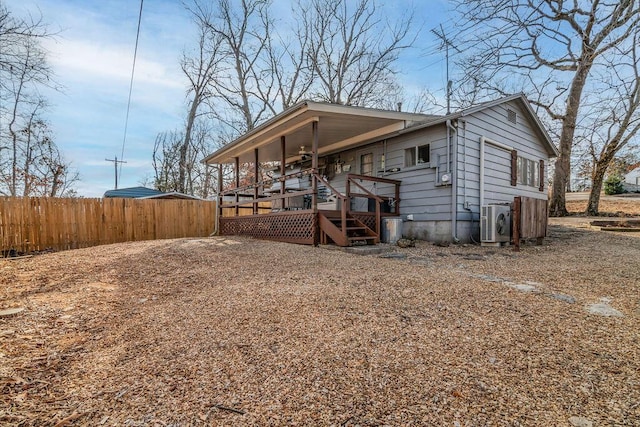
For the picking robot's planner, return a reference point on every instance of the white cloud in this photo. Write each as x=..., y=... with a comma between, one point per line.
x=91, y=61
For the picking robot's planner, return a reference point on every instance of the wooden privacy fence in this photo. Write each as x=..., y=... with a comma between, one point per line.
x=529, y=220
x=33, y=224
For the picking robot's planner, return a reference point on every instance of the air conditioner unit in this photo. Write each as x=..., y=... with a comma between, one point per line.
x=495, y=224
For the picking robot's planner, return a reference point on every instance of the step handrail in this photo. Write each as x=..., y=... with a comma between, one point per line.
x=343, y=206
x=351, y=180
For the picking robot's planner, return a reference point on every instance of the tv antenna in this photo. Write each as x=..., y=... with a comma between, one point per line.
x=446, y=43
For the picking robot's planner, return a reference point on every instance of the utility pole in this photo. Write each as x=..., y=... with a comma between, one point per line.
x=115, y=164
x=446, y=43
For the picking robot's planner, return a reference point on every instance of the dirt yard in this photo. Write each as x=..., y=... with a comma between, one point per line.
x=222, y=331
x=625, y=204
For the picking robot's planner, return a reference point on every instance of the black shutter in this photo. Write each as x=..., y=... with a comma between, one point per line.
x=542, y=180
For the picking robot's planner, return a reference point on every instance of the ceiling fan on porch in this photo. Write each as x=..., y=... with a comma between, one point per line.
x=306, y=155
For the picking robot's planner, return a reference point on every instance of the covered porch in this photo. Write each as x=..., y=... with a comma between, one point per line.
x=282, y=188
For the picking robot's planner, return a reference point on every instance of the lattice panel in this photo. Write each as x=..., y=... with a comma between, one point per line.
x=368, y=219
x=285, y=227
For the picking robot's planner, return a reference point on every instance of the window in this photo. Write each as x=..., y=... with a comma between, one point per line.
x=528, y=172
x=366, y=164
x=416, y=155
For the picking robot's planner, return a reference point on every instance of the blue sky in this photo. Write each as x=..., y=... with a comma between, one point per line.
x=92, y=58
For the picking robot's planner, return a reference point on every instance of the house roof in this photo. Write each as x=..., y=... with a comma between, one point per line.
x=173, y=195
x=538, y=127
x=146, y=193
x=132, y=192
x=341, y=127
x=633, y=172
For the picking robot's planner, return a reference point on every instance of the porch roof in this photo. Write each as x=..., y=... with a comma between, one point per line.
x=339, y=127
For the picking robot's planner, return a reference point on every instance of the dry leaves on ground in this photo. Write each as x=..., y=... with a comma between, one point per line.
x=241, y=332
x=610, y=206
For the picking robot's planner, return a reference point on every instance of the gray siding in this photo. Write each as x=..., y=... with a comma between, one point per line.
x=492, y=123
x=420, y=193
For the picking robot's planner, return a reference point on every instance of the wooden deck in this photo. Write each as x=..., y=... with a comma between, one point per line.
x=280, y=216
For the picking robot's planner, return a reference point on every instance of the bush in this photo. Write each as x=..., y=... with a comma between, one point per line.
x=613, y=185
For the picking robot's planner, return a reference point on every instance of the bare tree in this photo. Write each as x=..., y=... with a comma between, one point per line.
x=245, y=84
x=165, y=159
x=619, y=120
x=54, y=176
x=14, y=33
x=288, y=61
x=191, y=177
x=30, y=162
x=201, y=70
x=553, y=47
x=352, y=51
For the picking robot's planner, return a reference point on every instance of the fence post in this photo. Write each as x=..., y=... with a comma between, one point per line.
x=515, y=222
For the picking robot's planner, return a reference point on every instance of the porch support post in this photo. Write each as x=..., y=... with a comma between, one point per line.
x=219, y=199
x=314, y=182
x=282, y=164
x=256, y=172
x=237, y=182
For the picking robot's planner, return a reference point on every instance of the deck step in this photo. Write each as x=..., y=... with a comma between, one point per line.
x=339, y=220
x=362, y=238
x=354, y=233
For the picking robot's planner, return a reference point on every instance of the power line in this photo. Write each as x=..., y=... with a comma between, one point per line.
x=126, y=121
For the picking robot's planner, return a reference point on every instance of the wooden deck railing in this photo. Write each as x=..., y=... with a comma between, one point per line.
x=344, y=203
x=352, y=179
x=256, y=205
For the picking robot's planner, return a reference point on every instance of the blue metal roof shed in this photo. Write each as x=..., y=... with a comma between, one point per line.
x=132, y=192
x=146, y=193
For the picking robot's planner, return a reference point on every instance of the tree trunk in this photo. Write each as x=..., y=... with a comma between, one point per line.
x=182, y=173
x=601, y=166
x=596, y=188
x=562, y=173
x=56, y=180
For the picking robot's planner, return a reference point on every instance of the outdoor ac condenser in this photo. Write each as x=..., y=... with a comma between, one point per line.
x=495, y=223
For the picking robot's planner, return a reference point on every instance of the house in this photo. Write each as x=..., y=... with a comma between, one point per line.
x=146, y=193
x=631, y=181
x=339, y=172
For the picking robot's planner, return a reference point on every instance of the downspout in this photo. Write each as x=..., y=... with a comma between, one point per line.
x=449, y=146
x=464, y=161
x=452, y=172
x=484, y=141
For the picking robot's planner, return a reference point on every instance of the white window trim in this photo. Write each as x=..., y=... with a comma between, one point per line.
x=524, y=175
x=417, y=164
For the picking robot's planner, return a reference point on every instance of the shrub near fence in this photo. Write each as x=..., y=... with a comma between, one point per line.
x=33, y=224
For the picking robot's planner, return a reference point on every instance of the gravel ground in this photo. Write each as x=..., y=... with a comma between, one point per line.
x=234, y=331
